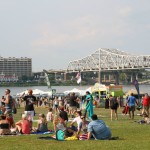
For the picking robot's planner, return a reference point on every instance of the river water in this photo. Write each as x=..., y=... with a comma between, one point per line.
x=60, y=89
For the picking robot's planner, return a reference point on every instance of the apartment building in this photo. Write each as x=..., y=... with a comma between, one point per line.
x=18, y=66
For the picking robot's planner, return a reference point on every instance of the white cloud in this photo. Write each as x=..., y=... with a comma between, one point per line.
x=78, y=29
x=44, y=30
x=125, y=11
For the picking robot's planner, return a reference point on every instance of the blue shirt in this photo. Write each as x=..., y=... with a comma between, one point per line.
x=99, y=130
x=131, y=101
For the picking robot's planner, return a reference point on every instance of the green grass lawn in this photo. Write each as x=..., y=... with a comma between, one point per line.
x=132, y=136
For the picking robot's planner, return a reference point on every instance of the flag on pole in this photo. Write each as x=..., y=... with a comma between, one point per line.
x=78, y=77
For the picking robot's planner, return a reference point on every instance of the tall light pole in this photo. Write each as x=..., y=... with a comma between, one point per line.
x=99, y=69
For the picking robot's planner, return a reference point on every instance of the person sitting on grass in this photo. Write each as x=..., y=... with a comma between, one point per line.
x=4, y=126
x=42, y=124
x=2, y=110
x=63, y=114
x=145, y=119
x=77, y=120
x=84, y=127
x=10, y=119
x=98, y=129
x=59, y=124
x=23, y=126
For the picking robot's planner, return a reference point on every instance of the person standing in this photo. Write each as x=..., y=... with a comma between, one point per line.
x=107, y=102
x=73, y=104
x=30, y=101
x=49, y=116
x=88, y=97
x=56, y=102
x=146, y=104
x=89, y=105
x=113, y=103
x=8, y=101
x=98, y=129
x=131, y=103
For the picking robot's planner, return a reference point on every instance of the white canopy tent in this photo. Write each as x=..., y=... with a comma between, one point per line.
x=22, y=93
x=35, y=92
x=75, y=90
x=49, y=93
x=81, y=92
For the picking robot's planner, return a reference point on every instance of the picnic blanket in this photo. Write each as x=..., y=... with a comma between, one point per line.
x=46, y=138
x=47, y=132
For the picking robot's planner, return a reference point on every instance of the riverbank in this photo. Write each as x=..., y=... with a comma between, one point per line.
x=60, y=89
x=27, y=84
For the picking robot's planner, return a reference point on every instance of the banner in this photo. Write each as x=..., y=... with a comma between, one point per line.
x=78, y=77
x=47, y=80
x=136, y=84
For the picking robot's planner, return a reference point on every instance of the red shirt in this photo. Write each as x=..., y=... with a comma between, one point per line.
x=146, y=101
x=26, y=127
x=10, y=120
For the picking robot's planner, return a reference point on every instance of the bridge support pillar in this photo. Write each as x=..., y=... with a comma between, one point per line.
x=55, y=75
x=104, y=78
x=136, y=76
x=109, y=78
x=100, y=77
x=65, y=76
x=131, y=78
x=117, y=78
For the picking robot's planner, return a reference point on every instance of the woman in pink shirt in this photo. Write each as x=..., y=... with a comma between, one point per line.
x=24, y=125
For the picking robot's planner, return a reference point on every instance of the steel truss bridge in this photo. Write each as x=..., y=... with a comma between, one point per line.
x=105, y=59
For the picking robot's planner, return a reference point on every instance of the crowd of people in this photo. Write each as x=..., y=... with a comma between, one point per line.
x=83, y=123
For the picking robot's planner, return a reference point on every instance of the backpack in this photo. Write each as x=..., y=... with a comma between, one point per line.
x=14, y=110
x=60, y=135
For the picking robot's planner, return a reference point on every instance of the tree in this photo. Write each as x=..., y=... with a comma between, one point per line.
x=123, y=76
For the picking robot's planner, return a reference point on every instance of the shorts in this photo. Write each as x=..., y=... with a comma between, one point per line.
x=56, y=106
x=114, y=107
x=146, y=108
x=131, y=108
x=30, y=114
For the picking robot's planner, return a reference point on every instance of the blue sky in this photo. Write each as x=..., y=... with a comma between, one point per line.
x=54, y=32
